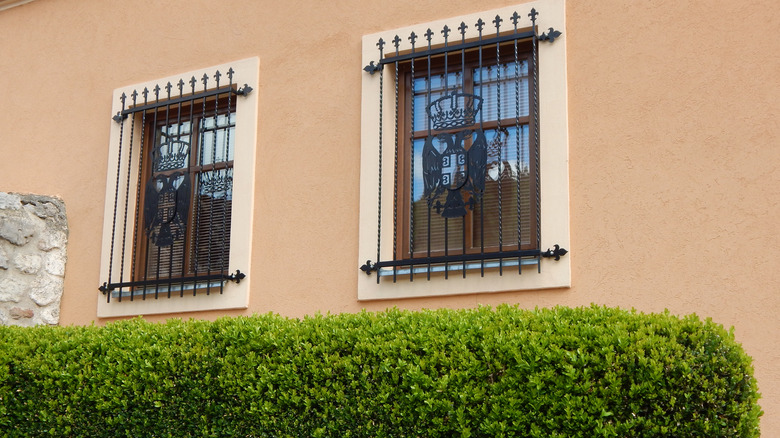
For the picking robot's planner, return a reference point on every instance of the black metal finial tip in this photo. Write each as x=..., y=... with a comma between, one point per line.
x=557, y=253
x=245, y=90
x=381, y=45
x=237, y=276
x=533, y=15
x=371, y=68
x=498, y=21
x=368, y=267
x=551, y=36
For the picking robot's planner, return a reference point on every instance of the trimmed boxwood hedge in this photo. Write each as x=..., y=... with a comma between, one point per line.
x=563, y=372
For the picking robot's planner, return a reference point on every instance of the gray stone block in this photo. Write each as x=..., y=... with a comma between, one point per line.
x=46, y=290
x=12, y=290
x=16, y=227
x=28, y=263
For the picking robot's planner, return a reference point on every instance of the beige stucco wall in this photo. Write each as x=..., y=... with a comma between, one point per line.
x=673, y=146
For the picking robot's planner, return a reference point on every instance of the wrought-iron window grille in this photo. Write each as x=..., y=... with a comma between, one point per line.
x=465, y=171
x=177, y=165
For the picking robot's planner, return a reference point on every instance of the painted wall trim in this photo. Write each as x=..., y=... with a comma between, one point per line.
x=8, y=4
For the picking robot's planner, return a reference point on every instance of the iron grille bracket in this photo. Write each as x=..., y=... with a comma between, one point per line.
x=557, y=252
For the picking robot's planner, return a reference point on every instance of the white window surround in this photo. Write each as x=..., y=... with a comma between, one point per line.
x=554, y=171
x=234, y=296
x=8, y=4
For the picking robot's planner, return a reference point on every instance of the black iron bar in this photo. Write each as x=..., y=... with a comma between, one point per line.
x=215, y=173
x=396, y=42
x=194, y=214
x=381, y=45
x=446, y=31
x=515, y=18
x=228, y=172
x=497, y=21
x=156, y=90
x=178, y=130
x=180, y=86
x=480, y=24
x=201, y=140
x=154, y=147
x=428, y=36
x=127, y=199
x=518, y=209
x=138, y=199
x=153, y=143
x=462, y=28
x=412, y=39
x=535, y=75
x=116, y=192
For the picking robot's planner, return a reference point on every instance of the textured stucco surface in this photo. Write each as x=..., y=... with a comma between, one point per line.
x=673, y=146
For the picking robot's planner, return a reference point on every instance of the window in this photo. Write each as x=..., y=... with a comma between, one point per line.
x=179, y=194
x=464, y=153
x=473, y=189
x=187, y=193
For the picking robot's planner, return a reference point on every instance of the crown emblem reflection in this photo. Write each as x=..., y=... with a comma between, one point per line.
x=456, y=110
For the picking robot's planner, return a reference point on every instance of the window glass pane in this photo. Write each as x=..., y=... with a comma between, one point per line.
x=217, y=139
x=507, y=83
x=216, y=184
x=507, y=196
x=211, y=245
x=423, y=96
x=453, y=228
x=507, y=181
x=507, y=162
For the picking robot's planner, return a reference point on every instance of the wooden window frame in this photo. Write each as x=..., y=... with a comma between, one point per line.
x=466, y=68
x=193, y=112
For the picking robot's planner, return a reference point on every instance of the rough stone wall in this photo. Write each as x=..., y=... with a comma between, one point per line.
x=33, y=240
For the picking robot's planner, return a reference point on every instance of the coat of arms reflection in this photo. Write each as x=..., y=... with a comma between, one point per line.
x=446, y=163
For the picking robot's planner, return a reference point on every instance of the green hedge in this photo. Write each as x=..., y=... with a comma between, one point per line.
x=585, y=372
